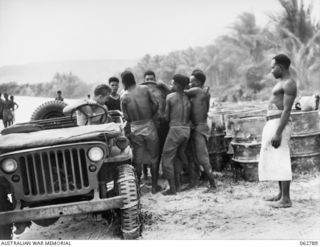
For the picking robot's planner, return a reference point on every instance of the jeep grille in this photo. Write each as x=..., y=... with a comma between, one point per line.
x=56, y=172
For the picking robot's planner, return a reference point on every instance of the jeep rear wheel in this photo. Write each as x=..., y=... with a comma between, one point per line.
x=5, y=205
x=130, y=212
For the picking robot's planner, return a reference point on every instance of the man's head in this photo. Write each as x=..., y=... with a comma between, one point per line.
x=279, y=65
x=114, y=84
x=149, y=76
x=59, y=92
x=180, y=82
x=101, y=93
x=12, y=97
x=127, y=79
x=197, y=78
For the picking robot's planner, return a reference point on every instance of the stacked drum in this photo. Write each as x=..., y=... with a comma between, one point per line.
x=222, y=132
x=305, y=141
x=216, y=145
x=246, y=144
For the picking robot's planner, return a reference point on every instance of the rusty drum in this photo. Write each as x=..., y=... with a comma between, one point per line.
x=246, y=145
x=305, y=141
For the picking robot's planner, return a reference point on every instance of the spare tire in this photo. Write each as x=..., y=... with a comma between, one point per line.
x=49, y=109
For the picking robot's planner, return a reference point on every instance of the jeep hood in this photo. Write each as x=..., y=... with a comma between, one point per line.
x=18, y=141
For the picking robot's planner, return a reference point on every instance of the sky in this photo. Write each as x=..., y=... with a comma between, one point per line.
x=53, y=30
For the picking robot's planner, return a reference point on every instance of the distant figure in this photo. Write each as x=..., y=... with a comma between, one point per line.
x=178, y=115
x=101, y=94
x=88, y=96
x=1, y=107
x=113, y=101
x=14, y=106
x=7, y=117
x=274, y=161
x=160, y=92
x=139, y=107
x=59, y=97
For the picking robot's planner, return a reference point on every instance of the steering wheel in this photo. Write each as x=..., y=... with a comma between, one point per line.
x=91, y=115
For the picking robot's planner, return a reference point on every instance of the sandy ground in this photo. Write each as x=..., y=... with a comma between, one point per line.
x=234, y=211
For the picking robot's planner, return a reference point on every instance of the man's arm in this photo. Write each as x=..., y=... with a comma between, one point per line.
x=163, y=87
x=123, y=104
x=290, y=93
x=192, y=91
x=167, y=109
x=208, y=99
x=154, y=103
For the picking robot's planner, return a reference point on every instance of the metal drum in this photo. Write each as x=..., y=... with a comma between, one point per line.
x=248, y=129
x=244, y=152
x=305, y=144
x=217, y=150
x=305, y=122
x=246, y=156
x=230, y=118
x=305, y=141
x=246, y=145
x=305, y=163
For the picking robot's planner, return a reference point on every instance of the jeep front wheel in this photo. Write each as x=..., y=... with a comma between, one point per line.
x=5, y=205
x=130, y=212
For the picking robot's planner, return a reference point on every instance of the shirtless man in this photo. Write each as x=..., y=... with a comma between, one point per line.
x=200, y=100
x=7, y=115
x=113, y=101
x=274, y=162
x=160, y=92
x=101, y=93
x=139, y=106
x=178, y=115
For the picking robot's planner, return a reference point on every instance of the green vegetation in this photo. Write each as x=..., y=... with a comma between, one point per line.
x=238, y=65
x=70, y=85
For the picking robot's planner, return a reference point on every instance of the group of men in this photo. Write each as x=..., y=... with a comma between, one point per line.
x=163, y=124
x=7, y=109
x=151, y=109
x=170, y=125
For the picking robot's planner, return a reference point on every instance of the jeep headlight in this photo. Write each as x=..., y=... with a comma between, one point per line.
x=122, y=142
x=9, y=165
x=95, y=154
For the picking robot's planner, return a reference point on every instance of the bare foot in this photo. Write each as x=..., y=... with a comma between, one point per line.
x=157, y=189
x=191, y=186
x=282, y=204
x=168, y=193
x=210, y=190
x=272, y=198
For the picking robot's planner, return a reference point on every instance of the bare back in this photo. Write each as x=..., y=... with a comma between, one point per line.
x=178, y=108
x=200, y=100
x=138, y=104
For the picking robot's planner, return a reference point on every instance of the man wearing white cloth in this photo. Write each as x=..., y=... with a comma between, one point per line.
x=274, y=163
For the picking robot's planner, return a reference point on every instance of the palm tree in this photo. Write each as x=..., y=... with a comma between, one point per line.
x=299, y=38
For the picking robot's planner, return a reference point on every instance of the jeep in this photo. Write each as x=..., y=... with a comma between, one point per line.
x=50, y=167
